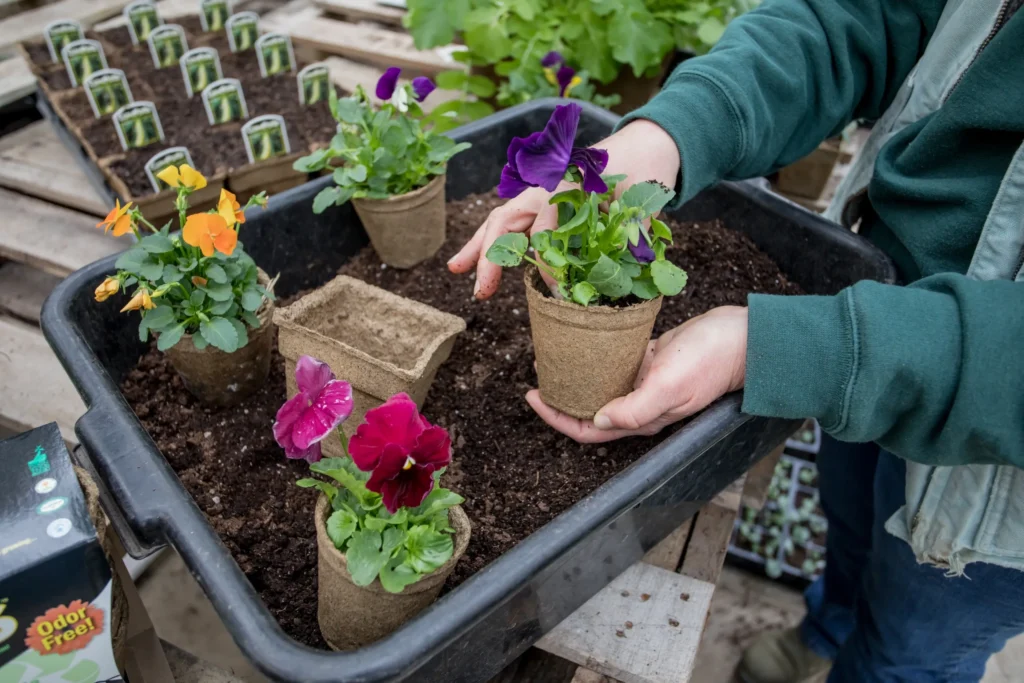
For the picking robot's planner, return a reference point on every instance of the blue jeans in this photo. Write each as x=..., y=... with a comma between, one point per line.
x=880, y=615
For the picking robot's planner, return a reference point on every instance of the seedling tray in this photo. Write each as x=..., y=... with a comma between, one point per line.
x=473, y=631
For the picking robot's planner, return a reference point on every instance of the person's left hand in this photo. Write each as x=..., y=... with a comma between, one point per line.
x=684, y=371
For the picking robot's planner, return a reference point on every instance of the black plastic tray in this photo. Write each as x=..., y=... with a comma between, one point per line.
x=472, y=632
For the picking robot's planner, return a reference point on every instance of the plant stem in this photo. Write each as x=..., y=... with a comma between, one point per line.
x=543, y=266
x=344, y=440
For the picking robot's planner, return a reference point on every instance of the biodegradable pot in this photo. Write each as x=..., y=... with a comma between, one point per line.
x=586, y=355
x=407, y=229
x=352, y=616
x=379, y=342
x=225, y=379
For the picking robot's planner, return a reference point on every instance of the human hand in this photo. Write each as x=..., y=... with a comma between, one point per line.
x=685, y=370
x=641, y=151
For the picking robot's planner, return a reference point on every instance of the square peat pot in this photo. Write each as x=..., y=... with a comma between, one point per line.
x=473, y=631
x=381, y=343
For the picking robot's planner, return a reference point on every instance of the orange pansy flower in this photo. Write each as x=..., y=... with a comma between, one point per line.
x=118, y=219
x=209, y=231
x=140, y=300
x=107, y=289
x=229, y=209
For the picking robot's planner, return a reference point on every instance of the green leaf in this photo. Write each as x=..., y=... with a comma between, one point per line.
x=486, y=35
x=644, y=288
x=322, y=486
x=350, y=110
x=251, y=319
x=609, y=278
x=451, y=80
x=437, y=500
x=243, y=335
x=216, y=273
x=344, y=471
x=397, y=574
x=357, y=173
x=661, y=230
x=340, y=526
x=393, y=538
x=541, y=241
x=312, y=162
x=325, y=199
x=197, y=298
x=251, y=299
x=221, y=307
x=170, y=337
x=157, y=243
x=481, y=86
x=710, y=30
x=649, y=197
x=668, y=277
x=428, y=549
x=638, y=39
x=199, y=342
x=509, y=249
x=574, y=197
x=577, y=221
x=433, y=23
x=160, y=317
x=152, y=270
x=219, y=291
x=172, y=274
x=131, y=260
x=583, y=293
x=220, y=333
x=554, y=258
x=364, y=558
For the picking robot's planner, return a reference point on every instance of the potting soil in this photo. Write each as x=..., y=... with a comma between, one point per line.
x=515, y=472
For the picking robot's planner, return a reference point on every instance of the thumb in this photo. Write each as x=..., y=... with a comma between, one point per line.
x=635, y=410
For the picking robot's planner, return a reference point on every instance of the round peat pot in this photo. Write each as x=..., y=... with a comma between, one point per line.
x=407, y=229
x=224, y=379
x=352, y=616
x=586, y=355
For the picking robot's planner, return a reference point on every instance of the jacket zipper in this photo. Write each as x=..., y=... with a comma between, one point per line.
x=1000, y=19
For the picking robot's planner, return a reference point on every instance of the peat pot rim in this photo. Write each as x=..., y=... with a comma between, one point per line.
x=584, y=317
x=401, y=203
x=450, y=326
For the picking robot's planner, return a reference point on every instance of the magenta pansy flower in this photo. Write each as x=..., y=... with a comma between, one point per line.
x=541, y=159
x=552, y=59
x=387, y=82
x=642, y=251
x=402, y=450
x=322, y=404
x=422, y=86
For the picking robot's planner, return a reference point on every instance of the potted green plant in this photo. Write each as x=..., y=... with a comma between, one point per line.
x=392, y=169
x=590, y=333
x=198, y=292
x=387, y=534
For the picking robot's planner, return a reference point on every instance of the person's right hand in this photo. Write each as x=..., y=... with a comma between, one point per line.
x=641, y=151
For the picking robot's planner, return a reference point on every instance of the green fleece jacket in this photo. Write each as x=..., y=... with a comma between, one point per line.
x=932, y=371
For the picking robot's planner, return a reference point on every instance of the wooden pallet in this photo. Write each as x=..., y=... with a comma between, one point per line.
x=362, y=10
x=29, y=25
x=16, y=80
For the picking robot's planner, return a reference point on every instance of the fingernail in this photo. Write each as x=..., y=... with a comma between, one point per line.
x=452, y=259
x=476, y=289
x=602, y=421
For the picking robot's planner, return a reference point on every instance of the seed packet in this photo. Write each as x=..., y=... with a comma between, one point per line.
x=224, y=101
x=213, y=14
x=266, y=137
x=314, y=84
x=243, y=31
x=142, y=17
x=108, y=91
x=200, y=67
x=174, y=156
x=83, y=58
x=275, y=54
x=167, y=44
x=138, y=125
x=60, y=33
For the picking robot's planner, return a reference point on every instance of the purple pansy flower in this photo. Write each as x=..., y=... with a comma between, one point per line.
x=422, y=86
x=322, y=404
x=552, y=59
x=541, y=159
x=642, y=251
x=566, y=79
x=386, y=84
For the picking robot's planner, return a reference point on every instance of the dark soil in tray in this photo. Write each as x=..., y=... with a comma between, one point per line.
x=515, y=472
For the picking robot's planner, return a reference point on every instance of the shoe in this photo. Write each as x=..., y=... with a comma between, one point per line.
x=781, y=657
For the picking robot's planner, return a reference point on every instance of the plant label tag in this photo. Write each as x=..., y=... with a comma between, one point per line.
x=138, y=125
x=167, y=44
x=60, y=33
x=82, y=58
x=314, y=84
x=243, y=31
x=174, y=156
x=275, y=54
x=224, y=101
x=213, y=14
x=108, y=91
x=142, y=18
x=200, y=67
x=266, y=137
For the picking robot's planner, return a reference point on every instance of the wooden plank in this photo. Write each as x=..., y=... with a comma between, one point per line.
x=168, y=9
x=644, y=627
x=588, y=676
x=709, y=541
x=33, y=161
x=669, y=552
x=16, y=80
x=731, y=496
x=371, y=44
x=283, y=18
x=51, y=238
x=29, y=25
x=34, y=390
x=362, y=10
x=23, y=290
x=759, y=477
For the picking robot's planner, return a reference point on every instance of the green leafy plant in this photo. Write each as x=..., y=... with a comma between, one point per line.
x=383, y=153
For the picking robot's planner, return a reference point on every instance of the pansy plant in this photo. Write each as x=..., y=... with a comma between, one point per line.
x=595, y=255
x=199, y=281
x=388, y=514
x=383, y=153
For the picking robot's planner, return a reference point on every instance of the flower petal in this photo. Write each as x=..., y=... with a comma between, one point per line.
x=335, y=402
x=311, y=376
x=551, y=59
x=511, y=184
x=564, y=78
x=409, y=489
x=422, y=86
x=170, y=176
x=226, y=241
x=433, y=449
x=122, y=226
x=544, y=157
x=642, y=251
x=287, y=415
x=386, y=83
x=190, y=177
x=199, y=231
x=392, y=459
x=396, y=422
x=591, y=163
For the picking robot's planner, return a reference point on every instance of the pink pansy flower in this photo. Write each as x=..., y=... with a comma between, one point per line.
x=402, y=450
x=307, y=418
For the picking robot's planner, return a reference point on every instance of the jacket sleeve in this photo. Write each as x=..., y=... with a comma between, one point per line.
x=930, y=371
x=783, y=78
